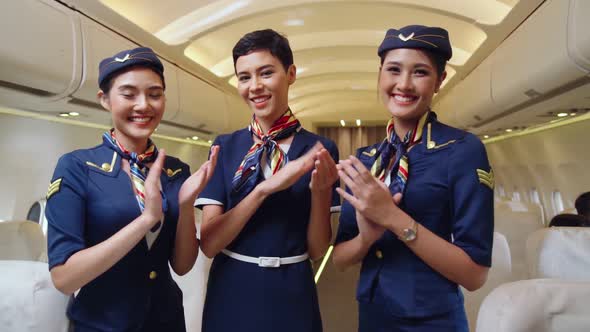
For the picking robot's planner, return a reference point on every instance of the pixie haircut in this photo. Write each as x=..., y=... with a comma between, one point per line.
x=267, y=39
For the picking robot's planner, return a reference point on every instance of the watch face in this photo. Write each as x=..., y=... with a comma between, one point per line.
x=409, y=234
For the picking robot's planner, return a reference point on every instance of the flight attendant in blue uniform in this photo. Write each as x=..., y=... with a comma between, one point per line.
x=418, y=210
x=266, y=211
x=120, y=212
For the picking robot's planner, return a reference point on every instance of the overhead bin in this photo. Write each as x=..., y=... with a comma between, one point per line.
x=238, y=113
x=48, y=49
x=99, y=43
x=470, y=101
x=578, y=37
x=202, y=106
x=535, y=59
x=548, y=52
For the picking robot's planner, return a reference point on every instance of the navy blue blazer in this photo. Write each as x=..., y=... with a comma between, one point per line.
x=244, y=296
x=450, y=192
x=90, y=199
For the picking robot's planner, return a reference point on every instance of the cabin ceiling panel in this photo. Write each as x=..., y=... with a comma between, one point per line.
x=179, y=23
x=334, y=41
x=324, y=26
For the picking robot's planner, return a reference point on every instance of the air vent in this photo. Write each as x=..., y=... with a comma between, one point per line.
x=82, y=102
x=26, y=89
x=532, y=93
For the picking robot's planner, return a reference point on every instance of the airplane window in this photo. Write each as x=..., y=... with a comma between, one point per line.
x=534, y=193
x=501, y=191
x=34, y=212
x=516, y=196
x=37, y=214
x=557, y=202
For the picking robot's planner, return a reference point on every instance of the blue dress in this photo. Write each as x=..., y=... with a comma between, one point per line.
x=90, y=199
x=448, y=191
x=244, y=296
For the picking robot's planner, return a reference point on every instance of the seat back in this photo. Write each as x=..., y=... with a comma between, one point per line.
x=22, y=240
x=517, y=222
x=500, y=272
x=28, y=300
x=559, y=252
x=536, y=305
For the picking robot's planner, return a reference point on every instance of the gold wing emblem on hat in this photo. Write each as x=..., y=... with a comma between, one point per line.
x=486, y=178
x=404, y=38
x=124, y=59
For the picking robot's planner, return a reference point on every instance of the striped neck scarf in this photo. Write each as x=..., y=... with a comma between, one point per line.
x=393, y=147
x=249, y=171
x=137, y=167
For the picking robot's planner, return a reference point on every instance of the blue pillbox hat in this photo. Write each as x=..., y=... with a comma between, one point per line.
x=141, y=56
x=432, y=39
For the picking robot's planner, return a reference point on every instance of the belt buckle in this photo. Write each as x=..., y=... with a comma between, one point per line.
x=269, y=261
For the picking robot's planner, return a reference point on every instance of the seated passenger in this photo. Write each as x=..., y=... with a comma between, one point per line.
x=583, y=204
x=568, y=220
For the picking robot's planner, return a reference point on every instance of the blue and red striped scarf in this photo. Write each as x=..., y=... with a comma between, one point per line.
x=138, y=168
x=249, y=171
x=393, y=147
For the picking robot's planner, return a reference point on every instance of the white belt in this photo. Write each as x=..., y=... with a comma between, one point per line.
x=266, y=261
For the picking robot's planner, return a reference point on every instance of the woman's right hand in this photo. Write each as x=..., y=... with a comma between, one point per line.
x=368, y=230
x=288, y=175
x=153, y=198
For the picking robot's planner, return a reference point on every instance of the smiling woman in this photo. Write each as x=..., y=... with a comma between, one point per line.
x=114, y=223
x=436, y=233
x=266, y=210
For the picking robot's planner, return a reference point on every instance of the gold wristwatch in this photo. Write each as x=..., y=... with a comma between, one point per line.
x=409, y=234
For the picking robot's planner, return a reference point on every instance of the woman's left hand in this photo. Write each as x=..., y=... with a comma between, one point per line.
x=325, y=173
x=370, y=197
x=193, y=186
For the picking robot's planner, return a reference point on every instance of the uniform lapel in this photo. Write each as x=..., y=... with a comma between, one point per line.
x=302, y=141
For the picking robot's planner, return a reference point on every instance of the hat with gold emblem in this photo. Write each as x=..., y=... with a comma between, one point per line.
x=141, y=56
x=432, y=39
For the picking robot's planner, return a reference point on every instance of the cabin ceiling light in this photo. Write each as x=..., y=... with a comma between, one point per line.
x=64, y=114
x=342, y=123
x=358, y=122
x=74, y=113
x=562, y=114
x=509, y=130
x=486, y=136
x=294, y=22
x=184, y=28
x=195, y=138
x=223, y=68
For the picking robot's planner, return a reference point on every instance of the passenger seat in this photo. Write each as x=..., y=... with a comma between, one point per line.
x=22, y=240
x=558, y=300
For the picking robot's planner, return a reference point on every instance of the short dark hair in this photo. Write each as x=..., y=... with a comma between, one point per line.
x=568, y=220
x=582, y=204
x=266, y=39
x=439, y=61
